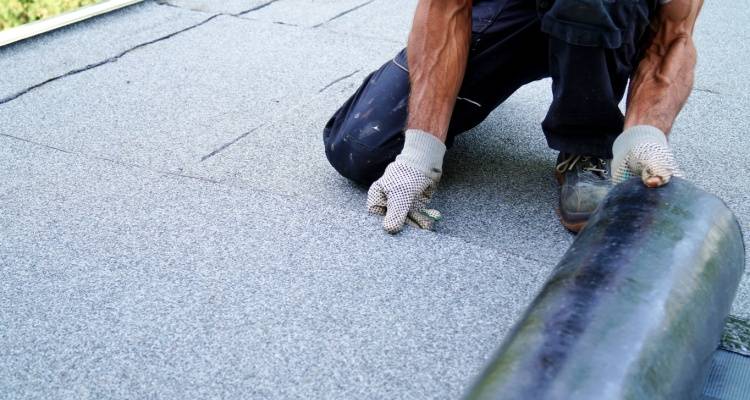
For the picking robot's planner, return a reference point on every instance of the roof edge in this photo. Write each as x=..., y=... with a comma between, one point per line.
x=35, y=28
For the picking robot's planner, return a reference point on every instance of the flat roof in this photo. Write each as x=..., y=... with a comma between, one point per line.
x=170, y=223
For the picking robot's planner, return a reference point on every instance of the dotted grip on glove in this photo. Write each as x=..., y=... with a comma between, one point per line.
x=402, y=192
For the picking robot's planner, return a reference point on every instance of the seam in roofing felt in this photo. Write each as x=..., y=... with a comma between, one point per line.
x=264, y=5
x=141, y=167
x=244, y=135
x=92, y=157
x=168, y=4
x=229, y=143
x=76, y=71
x=337, y=80
x=341, y=14
x=168, y=173
x=357, y=35
x=103, y=62
x=34, y=143
x=199, y=178
x=508, y=254
x=697, y=89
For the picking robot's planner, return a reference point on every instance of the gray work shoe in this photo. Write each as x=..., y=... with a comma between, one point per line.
x=584, y=182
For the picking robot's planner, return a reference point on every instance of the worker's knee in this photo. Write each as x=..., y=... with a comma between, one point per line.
x=354, y=159
x=366, y=132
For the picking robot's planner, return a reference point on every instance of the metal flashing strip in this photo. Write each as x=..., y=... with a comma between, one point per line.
x=48, y=24
x=729, y=375
x=728, y=378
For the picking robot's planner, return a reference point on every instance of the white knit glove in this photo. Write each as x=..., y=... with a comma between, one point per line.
x=407, y=185
x=643, y=151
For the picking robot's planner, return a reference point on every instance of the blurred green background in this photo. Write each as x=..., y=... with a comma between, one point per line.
x=19, y=12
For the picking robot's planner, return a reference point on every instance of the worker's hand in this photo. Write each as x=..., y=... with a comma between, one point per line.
x=407, y=185
x=643, y=151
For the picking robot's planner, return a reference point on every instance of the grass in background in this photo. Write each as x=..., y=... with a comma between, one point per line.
x=19, y=12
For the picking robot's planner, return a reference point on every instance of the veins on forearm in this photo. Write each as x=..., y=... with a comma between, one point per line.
x=437, y=52
x=662, y=84
x=664, y=78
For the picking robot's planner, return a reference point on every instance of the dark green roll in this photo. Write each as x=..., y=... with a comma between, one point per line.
x=636, y=306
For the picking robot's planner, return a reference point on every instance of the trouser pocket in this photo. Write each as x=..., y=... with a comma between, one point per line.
x=594, y=23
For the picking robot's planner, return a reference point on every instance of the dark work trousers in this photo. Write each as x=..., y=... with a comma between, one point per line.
x=589, y=48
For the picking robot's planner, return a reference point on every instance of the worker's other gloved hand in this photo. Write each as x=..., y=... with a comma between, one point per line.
x=643, y=151
x=407, y=185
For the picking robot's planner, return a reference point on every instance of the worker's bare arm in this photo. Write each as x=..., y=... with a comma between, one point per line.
x=664, y=77
x=437, y=53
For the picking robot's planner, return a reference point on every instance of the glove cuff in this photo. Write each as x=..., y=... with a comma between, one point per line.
x=424, y=152
x=633, y=136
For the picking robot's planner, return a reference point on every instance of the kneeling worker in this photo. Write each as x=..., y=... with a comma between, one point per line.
x=465, y=58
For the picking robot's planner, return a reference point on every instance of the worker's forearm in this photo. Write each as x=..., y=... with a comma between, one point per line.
x=661, y=84
x=664, y=77
x=437, y=53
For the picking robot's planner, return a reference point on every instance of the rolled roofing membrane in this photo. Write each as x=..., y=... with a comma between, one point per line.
x=636, y=307
x=48, y=24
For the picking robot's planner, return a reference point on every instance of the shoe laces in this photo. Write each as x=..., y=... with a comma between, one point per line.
x=587, y=163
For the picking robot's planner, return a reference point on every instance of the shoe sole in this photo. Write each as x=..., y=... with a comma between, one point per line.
x=574, y=227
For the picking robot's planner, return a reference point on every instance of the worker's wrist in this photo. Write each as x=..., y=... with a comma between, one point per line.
x=632, y=137
x=424, y=152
